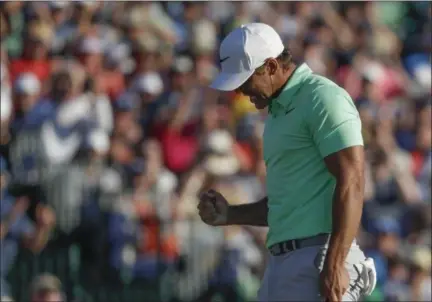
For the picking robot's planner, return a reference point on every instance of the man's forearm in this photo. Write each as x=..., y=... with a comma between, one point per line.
x=347, y=211
x=254, y=214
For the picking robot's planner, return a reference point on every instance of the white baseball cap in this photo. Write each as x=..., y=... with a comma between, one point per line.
x=150, y=83
x=241, y=52
x=28, y=84
x=91, y=45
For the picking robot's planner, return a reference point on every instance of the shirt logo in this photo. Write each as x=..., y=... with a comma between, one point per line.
x=288, y=111
x=223, y=60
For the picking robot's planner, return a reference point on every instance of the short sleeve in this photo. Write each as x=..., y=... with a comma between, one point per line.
x=333, y=121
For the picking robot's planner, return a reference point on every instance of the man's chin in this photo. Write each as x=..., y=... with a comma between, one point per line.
x=260, y=105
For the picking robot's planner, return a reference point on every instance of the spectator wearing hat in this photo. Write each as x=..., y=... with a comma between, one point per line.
x=117, y=63
x=421, y=278
x=204, y=40
x=144, y=53
x=218, y=161
x=31, y=112
x=65, y=131
x=148, y=87
x=46, y=288
x=178, y=118
x=90, y=52
x=27, y=92
x=222, y=160
x=27, y=89
x=126, y=125
x=100, y=107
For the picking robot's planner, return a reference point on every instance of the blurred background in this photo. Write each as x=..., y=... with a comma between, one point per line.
x=109, y=133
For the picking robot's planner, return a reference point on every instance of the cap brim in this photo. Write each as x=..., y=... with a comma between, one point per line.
x=230, y=81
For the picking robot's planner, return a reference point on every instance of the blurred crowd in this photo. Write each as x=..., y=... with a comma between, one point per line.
x=109, y=133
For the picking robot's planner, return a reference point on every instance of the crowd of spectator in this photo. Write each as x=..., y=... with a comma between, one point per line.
x=109, y=133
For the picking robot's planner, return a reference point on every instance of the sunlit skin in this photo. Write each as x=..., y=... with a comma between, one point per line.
x=266, y=82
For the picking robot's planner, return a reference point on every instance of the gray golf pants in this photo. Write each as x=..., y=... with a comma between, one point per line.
x=294, y=276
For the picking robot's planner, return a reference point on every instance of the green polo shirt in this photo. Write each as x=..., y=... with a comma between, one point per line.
x=311, y=119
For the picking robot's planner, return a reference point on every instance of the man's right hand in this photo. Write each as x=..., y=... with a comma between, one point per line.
x=213, y=208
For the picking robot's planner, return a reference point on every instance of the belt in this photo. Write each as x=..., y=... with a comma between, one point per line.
x=295, y=244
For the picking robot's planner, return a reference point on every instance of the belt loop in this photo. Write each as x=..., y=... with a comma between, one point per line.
x=294, y=245
x=284, y=247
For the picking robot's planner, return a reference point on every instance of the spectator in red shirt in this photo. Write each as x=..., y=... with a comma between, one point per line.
x=34, y=59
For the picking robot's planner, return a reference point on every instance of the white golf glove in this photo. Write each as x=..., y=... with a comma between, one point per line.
x=368, y=274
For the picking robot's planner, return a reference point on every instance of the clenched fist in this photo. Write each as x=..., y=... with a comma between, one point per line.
x=45, y=216
x=213, y=208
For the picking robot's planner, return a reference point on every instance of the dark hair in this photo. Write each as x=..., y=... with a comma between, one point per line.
x=89, y=84
x=285, y=58
x=61, y=84
x=61, y=77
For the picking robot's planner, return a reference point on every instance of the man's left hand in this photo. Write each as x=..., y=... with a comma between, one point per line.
x=334, y=282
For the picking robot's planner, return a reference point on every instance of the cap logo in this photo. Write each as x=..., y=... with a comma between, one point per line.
x=223, y=60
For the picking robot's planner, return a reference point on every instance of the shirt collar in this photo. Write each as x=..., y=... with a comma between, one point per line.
x=292, y=86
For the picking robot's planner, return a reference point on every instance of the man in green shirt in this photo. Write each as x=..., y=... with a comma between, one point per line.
x=313, y=151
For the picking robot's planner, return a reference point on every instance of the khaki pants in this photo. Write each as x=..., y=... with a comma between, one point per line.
x=294, y=276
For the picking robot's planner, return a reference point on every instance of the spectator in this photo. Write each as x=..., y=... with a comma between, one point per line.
x=34, y=59
x=397, y=288
x=148, y=88
x=70, y=121
x=182, y=109
x=420, y=280
x=27, y=89
x=46, y=288
x=17, y=228
x=14, y=18
x=157, y=181
x=117, y=63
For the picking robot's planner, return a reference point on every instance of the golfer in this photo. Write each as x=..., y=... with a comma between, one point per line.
x=313, y=151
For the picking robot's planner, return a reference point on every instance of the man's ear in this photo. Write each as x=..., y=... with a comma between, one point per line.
x=272, y=66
